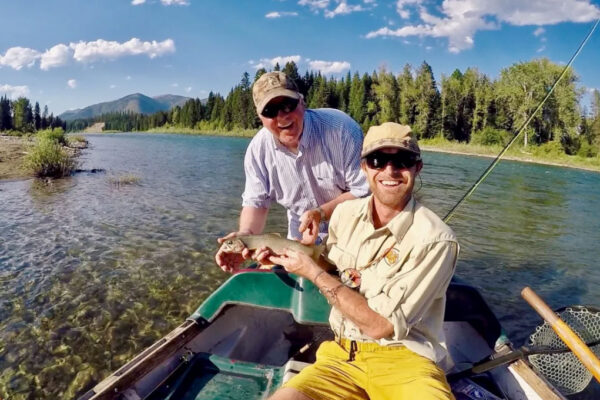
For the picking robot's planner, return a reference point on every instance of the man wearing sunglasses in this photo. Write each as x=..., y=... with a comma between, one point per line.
x=306, y=160
x=395, y=260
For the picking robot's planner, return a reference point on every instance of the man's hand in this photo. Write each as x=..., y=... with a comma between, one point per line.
x=231, y=262
x=296, y=263
x=309, y=226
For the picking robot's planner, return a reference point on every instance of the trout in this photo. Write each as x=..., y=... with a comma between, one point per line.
x=271, y=240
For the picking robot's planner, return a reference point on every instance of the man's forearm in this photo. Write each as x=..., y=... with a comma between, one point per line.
x=354, y=307
x=253, y=220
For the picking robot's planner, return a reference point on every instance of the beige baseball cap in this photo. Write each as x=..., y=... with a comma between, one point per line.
x=271, y=85
x=390, y=134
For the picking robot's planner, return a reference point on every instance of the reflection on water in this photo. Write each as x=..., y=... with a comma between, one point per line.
x=92, y=272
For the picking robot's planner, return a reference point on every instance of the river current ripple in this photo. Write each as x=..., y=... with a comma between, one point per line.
x=95, y=267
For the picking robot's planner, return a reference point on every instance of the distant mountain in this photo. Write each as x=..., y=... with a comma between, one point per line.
x=137, y=103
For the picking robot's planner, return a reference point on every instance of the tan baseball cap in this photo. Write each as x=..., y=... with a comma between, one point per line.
x=271, y=85
x=390, y=134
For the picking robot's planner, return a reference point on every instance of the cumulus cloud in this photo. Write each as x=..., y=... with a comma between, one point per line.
x=329, y=67
x=19, y=57
x=137, y=2
x=280, y=14
x=271, y=62
x=461, y=19
x=188, y=89
x=57, y=56
x=342, y=9
x=314, y=5
x=85, y=52
x=539, y=31
x=175, y=2
x=14, y=92
x=72, y=83
x=103, y=49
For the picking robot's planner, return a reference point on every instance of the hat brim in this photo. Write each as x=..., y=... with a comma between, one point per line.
x=279, y=92
x=410, y=147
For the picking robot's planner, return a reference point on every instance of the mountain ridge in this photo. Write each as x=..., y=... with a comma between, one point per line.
x=136, y=103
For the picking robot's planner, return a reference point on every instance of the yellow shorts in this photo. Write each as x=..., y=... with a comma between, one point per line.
x=377, y=372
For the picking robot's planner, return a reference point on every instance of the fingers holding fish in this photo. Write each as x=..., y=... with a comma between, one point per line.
x=309, y=226
x=296, y=263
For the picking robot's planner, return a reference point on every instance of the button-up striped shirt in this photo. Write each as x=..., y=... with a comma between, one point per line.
x=326, y=166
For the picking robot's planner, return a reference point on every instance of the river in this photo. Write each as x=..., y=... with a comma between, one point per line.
x=97, y=266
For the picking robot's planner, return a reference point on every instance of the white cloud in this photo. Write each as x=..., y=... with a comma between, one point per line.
x=72, y=83
x=174, y=84
x=314, y=5
x=57, y=56
x=280, y=14
x=137, y=2
x=128, y=78
x=329, y=67
x=342, y=9
x=19, y=57
x=541, y=49
x=112, y=86
x=102, y=49
x=539, y=31
x=14, y=92
x=175, y=2
x=188, y=89
x=461, y=19
x=402, y=7
x=270, y=62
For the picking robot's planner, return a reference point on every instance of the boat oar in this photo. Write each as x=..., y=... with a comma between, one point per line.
x=548, y=353
x=570, y=338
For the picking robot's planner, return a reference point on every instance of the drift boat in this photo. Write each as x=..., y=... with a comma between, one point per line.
x=260, y=328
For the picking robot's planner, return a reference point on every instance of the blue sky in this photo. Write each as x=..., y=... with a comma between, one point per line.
x=73, y=53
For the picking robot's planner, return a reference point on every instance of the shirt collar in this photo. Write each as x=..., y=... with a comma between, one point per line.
x=399, y=225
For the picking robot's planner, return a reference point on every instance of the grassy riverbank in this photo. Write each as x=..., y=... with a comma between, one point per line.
x=47, y=153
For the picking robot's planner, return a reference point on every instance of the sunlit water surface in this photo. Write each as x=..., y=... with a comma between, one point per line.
x=95, y=267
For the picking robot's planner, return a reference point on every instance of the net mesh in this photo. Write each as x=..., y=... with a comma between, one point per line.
x=564, y=370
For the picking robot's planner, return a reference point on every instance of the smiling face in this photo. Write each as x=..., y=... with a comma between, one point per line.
x=392, y=187
x=286, y=127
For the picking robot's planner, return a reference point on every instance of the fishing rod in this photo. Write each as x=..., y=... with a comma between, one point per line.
x=489, y=169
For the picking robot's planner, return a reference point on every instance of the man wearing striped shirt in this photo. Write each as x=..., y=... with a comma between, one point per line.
x=306, y=160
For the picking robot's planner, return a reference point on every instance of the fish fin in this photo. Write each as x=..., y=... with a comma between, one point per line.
x=318, y=250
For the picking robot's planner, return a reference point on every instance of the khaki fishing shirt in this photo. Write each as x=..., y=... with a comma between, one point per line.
x=407, y=285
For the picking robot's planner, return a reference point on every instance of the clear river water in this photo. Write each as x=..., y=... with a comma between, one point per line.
x=97, y=266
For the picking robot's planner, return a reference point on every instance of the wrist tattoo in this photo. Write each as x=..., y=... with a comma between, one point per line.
x=331, y=294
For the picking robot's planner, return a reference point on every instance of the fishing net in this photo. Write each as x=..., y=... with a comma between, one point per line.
x=564, y=370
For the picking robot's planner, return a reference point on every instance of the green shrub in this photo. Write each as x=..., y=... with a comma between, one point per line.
x=491, y=136
x=47, y=158
x=56, y=134
x=570, y=144
x=552, y=148
x=587, y=150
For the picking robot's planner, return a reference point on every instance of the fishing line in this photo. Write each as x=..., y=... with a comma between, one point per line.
x=489, y=169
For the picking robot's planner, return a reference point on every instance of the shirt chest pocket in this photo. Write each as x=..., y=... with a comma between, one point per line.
x=341, y=258
x=327, y=176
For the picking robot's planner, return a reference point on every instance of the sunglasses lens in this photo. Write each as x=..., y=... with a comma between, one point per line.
x=287, y=105
x=379, y=160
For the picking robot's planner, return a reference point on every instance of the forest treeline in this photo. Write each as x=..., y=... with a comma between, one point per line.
x=19, y=117
x=466, y=106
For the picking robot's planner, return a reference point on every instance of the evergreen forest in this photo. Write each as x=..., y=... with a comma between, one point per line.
x=18, y=117
x=466, y=106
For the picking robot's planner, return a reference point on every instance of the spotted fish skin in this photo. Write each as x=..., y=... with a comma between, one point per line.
x=271, y=240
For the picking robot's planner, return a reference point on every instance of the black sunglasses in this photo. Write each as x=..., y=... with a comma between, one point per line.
x=401, y=160
x=286, y=105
